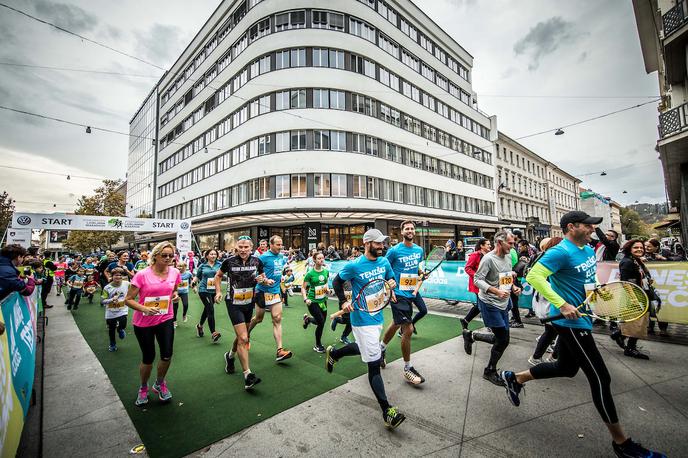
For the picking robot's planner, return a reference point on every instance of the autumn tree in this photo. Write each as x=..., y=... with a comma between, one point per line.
x=6, y=210
x=105, y=201
x=632, y=224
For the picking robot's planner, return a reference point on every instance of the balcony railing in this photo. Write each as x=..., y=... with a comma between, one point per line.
x=673, y=19
x=673, y=121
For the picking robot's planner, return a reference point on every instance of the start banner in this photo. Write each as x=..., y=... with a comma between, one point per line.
x=66, y=222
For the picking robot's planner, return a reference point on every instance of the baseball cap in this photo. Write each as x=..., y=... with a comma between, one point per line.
x=374, y=235
x=578, y=217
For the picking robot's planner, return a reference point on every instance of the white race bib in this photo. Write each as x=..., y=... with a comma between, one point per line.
x=506, y=281
x=184, y=284
x=272, y=299
x=77, y=284
x=320, y=292
x=242, y=296
x=408, y=282
x=210, y=284
x=161, y=302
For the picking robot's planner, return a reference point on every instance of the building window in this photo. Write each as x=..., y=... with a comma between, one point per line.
x=359, y=187
x=336, y=59
x=320, y=57
x=338, y=182
x=290, y=20
x=298, y=140
x=327, y=20
x=298, y=98
x=298, y=185
x=337, y=100
x=373, y=188
x=337, y=141
x=298, y=57
x=388, y=45
x=361, y=29
x=321, y=139
x=282, y=140
x=282, y=186
x=322, y=184
x=321, y=98
x=281, y=60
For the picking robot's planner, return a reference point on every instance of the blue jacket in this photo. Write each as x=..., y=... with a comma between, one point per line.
x=10, y=281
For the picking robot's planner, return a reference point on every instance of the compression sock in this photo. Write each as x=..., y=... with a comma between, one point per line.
x=377, y=384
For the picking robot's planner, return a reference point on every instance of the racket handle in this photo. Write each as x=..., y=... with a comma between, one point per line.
x=551, y=318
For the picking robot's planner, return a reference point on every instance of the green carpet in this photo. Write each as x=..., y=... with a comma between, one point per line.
x=208, y=404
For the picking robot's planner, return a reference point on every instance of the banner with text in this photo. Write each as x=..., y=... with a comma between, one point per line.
x=64, y=221
x=20, y=236
x=17, y=365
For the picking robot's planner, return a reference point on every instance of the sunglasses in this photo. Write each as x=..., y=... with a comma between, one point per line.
x=167, y=256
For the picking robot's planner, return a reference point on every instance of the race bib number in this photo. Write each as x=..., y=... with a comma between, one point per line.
x=77, y=284
x=408, y=282
x=89, y=271
x=91, y=289
x=272, y=299
x=242, y=296
x=210, y=284
x=184, y=284
x=116, y=303
x=320, y=292
x=161, y=302
x=506, y=281
x=374, y=301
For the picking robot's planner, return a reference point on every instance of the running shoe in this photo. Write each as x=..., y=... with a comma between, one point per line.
x=319, y=349
x=635, y=353
x=631, y=449
x=306, y=321
x=112, y=348
x=467, y=341
x=400, y=334
x=199, y=330
x=535, y=361
x=345, y=340
x=393, y=417
x=383, y=360
x=412, y=376
x=329, y=360
x=229, y=363
x=175, y=325
x=216, y=336
x=142, y=397
x=47, y=306
x=334, y=323
x=493, y=377
x=530, y=314
x=415, y=331
x=161, y=390
x=186, y=318
x=513, y=388
x=617, y=337
x=283, y=354
x=515, y=324
x=121, y=333
x=550, y=348
x=250, y=381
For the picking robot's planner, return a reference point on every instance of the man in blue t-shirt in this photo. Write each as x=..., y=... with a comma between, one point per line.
x=563, y=276
x=405, y=260
x=366, y=326
x=268, y=294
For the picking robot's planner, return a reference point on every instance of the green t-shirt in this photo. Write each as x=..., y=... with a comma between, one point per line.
x=317, y=285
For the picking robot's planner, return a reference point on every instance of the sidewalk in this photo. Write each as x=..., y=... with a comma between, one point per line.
x=651, y=398
x=83, y=416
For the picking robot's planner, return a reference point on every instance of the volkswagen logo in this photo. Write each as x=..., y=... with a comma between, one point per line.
x=24, y=220
x=184, y=225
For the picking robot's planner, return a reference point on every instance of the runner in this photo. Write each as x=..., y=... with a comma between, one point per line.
x=366, y=327
x=314, y=291
x=61, y=266
x=90, y=287
x=141, y=263
x=268, y=294
x=116, y=310
x=122, y=262
x=286, y=283
x=571, y=268
x=481, y=249
x=49, y=268
x=405, y=261
x=204, y=282
x=76, y=289
x=103, y=265
x=495, y=281
x=156, y=286
x=183, y=290
x=243, y=271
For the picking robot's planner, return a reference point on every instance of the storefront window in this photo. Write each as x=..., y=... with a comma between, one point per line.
x=229, y=238
x=208, y=241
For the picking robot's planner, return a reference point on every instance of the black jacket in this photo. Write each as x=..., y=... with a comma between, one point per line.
x=611, y=246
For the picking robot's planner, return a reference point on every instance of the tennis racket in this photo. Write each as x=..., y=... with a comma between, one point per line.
x=373, y=297
x=432, y=261
x=619, y=301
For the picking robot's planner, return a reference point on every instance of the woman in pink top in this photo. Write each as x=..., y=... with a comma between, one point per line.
x=156, y=287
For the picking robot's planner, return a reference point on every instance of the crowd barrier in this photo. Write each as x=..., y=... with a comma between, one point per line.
x=17, y=366
x=450, y=282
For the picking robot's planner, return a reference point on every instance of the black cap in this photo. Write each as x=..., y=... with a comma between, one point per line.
x=578, y=217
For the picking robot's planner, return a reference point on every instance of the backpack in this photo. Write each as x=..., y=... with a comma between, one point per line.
x=534, y=260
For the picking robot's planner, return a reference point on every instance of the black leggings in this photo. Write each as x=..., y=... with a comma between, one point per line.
x=114, y=323
x=577, y=350
x=45, y=290
x=208, y=300
x=374, y=375
x=515, y=312
x=472, y=313
x=317, y=318
x=163, y=333
x=546, y=338
x=422, y=308
x=501, y=342
x=185, y=305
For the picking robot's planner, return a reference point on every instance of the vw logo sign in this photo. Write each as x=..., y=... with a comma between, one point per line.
x=184, y=225
x=24, y=220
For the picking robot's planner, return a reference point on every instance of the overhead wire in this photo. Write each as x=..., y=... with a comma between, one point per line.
x=50, y=173
x=79, y=70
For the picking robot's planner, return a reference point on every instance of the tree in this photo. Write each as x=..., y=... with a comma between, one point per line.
x=632, y=224
x=105, y=202
x=6, y=210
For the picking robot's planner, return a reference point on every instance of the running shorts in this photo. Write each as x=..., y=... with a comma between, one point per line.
x=494, y=317
x=368, y=340
x=402, y=310
x=147, y=335
x=239, y=314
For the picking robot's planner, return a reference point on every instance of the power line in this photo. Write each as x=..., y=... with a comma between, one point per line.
x=103, y=45
x=66, y=175
x=80, y=70
x=615, y=168
x=569, y=96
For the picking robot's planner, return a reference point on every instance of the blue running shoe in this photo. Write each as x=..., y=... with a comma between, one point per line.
x=513, y=388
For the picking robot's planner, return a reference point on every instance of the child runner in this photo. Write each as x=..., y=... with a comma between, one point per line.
x=286, y=284
x=142, y=263
x=314, y=291
x=183, y=290
x=155, y=286
x=90, y=287
x=60, y=275
x=76, y=289
x=205, y=281
x=116, y=311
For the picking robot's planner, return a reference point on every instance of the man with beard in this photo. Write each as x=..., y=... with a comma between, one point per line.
x=405, y=260
x=366, y=326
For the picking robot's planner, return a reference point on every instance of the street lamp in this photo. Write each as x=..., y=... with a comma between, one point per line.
x=559, y=132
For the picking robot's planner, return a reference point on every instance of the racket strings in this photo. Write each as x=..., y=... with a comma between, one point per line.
x=620, y=302
x=374, y=296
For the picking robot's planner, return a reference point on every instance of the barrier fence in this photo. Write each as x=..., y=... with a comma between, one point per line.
x=450, y=282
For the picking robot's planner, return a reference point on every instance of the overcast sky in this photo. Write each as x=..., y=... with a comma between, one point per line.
x=581, y=58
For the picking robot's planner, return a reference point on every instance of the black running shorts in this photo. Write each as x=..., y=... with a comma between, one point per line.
x=239, y=314
x=402, y=310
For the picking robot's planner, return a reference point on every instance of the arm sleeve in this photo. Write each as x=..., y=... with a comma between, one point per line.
x=479, y=277
x=338, y=286
x=537, y=278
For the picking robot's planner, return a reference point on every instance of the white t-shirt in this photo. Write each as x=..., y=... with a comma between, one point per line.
x=113, y=300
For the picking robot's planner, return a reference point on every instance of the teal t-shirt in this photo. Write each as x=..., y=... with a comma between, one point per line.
x=203, y=273
x=359, y=272
x=272, y=266
x=405, y=261
x=572, y=268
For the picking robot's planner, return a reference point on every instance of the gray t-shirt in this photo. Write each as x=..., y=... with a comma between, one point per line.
x=494, y=271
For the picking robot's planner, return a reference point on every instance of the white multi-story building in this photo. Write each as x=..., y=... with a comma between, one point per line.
x=563, y=196
x=142, y=159
x=522, y=189
x=314, y=120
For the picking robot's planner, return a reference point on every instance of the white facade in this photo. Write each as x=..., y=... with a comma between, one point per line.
x=522, y=188
x=338, y=112
x=563, y=196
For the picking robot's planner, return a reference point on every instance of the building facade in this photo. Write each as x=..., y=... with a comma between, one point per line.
x=615, y=214
x=522, y=189
x=563, y=196
x=316, y=120
x=142, y=159
x=663, y=31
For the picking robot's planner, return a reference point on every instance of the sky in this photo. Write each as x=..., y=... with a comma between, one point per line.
x=538, y=65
